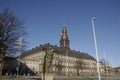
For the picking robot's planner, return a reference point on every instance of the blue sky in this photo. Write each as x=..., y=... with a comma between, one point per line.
x=44, y=20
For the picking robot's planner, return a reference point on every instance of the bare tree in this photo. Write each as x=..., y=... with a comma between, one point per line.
x=106, y=67
x=11, y=29
x=79, y=66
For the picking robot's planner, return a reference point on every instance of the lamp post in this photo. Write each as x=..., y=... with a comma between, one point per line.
x=44, y=65
x=66, y=62
x=3, y=49
x=19, y=42
x=98, y=68
x=47, y=62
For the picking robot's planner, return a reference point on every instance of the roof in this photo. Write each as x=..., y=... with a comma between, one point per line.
x=59, y=50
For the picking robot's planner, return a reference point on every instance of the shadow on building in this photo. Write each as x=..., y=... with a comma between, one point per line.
x=11, y=65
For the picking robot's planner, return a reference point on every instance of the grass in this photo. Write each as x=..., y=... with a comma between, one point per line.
x=9, y=78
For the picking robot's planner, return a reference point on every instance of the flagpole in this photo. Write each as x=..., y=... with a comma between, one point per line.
x=98, y=68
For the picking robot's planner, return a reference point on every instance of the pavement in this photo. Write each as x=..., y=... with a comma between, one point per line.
x=32, y=77
x=74, y=78
x=70, y=78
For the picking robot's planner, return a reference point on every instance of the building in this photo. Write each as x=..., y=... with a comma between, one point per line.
x=59, y=60
x=117, y=70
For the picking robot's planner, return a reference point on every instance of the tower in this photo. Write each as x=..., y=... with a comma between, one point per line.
x=64, y=42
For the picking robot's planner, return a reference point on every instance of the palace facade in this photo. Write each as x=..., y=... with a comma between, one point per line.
x=61, y=60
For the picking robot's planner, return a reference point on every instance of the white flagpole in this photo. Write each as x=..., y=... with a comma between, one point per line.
x=98, y=68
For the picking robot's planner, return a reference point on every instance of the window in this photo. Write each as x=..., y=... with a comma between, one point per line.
x=53, y=68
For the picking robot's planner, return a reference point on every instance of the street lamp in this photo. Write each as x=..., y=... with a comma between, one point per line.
x=47, y=61
x=44, y=65
x=3, y=49
x=98, y=68
x=19, y=42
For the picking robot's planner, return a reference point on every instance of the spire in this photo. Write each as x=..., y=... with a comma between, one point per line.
x=64, y=42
